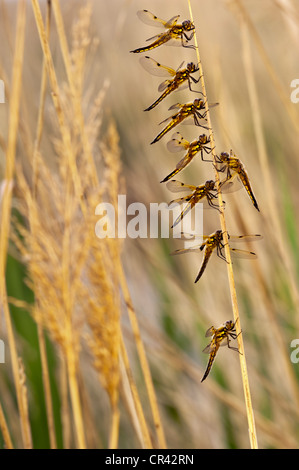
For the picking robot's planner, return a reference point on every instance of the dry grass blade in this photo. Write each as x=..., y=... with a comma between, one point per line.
x=6, y=208
x=246, y=388
x=138, y=416
x=5, y=430
x=40, y=332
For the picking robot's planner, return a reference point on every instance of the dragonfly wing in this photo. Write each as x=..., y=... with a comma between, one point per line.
x=155, y=68
x=166, y=120
x=190, y=236
x=183, y=86
x=209, y=348
x=245, y=238
x=177, y=143
x=175, y=106
x=242, y=254
x=149, y=18
x=180, y=66
x=194, y=249
x=178, y=201
x=210, y=331
x=177, y=186
x=231, y=185
x=156, y=37
x=164, y=85
x=185, y=211
x=172, y=21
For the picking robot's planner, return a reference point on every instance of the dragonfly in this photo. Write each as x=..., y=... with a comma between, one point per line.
x=196, y=109
x=235, y=168
x=224, y=332
x=181, y=76
x=174, y=31
x=215, y=242
x=206, y=192
x=178, y=143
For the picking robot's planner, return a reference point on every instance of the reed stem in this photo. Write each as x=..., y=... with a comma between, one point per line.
x=233, y=294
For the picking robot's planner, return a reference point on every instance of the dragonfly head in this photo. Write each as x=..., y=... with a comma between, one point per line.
x=203, y=139
x=224, y=157
x=198, y=104
x=229, y=325
x=188, y=25
x=191, y=67
x=210, y=184
x=219, y=234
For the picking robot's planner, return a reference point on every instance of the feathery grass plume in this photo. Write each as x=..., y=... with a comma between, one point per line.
x=72, y=273
x=74, y=278
x=247, y=395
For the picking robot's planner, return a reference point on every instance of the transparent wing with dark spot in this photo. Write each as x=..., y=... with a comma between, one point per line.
x=155, y=68
x=149, y=18
x=177, y=186
x=177, y=143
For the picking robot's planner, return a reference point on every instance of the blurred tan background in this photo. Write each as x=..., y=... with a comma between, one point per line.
x=249, y=56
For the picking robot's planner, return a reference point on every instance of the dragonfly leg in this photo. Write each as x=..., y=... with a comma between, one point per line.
x=234, y=335
x=220, y=254
x=195, y=81
x=211, y=204
x=233, y=348
x=207, y=150
x=196, y=117
x=187, y=39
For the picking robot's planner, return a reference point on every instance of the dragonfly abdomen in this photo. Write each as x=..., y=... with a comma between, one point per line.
x=210, y=363
x=162, y=40
x=174, y=121
x=248, y=188
x=204, y=264
x=168, y=90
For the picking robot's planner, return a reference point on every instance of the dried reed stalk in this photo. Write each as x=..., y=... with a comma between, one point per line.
x=245, y=380
x=144, y=362
x=40, y=331
x=6, y=211
x=138, y=417
x=5, y=431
